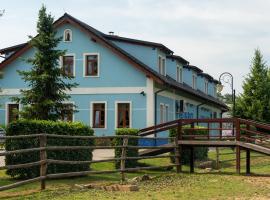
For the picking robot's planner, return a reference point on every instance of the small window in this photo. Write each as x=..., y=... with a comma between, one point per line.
x=206, y=87
x=98, y=116
x=123, y=115
x=67, y=35
x=91, y=65
x=162, y=113
x=67, y=112
x=194, y=81
x=179, y=74
x=68, y=65
x=161, y=65
x=12, y=112
x=179, y=106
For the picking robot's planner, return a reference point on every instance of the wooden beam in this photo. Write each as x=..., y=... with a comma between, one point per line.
x=247, y=161
x=238, y=159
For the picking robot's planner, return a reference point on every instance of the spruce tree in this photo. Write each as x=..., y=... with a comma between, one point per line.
x=254, y=103
x=46, y=81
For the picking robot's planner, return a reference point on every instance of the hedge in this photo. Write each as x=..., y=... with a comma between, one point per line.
x=28, y=127
x=130, y=152
x=200, y=153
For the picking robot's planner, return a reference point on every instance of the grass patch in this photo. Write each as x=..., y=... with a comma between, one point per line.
x=167, y=184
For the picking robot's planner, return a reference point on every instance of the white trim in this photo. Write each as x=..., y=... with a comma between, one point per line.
x=178, y=68
x=206, y=87
x=116, y=114
x=92, y=117
x=74, y=61
x=165, y=70
x=150, y=113
x=64, y=34
x=86, y=90
x=98, y=64
x=71, y=102
x=6, y=110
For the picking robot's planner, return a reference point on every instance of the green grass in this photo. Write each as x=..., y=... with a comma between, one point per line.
x=166, y=184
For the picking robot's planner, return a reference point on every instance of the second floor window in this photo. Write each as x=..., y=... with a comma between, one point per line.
x=206, y=87
x=179, y=74
x=91, y=65
x=161, y=65
x=68, y=65
x=67, y=112
x=194, y=81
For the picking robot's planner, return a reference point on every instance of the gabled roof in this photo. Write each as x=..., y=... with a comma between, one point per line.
x=101, y=38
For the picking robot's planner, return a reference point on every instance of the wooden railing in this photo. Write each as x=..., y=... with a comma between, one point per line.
x=45, y=161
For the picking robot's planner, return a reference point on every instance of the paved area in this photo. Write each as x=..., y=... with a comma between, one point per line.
x=98, y=154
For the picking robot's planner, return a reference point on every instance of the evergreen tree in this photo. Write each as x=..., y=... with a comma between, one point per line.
x=254, y=103
x=47, y=82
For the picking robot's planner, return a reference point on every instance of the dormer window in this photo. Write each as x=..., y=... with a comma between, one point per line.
x=67, y=35
x=161, y=66
x=179, y=74
x=194, y=81
x=206, y=87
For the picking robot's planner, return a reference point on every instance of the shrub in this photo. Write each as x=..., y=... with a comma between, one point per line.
x=28, y=127
x=200, y=153
x=130, y=152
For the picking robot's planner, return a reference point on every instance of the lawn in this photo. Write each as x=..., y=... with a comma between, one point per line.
x=222, y=184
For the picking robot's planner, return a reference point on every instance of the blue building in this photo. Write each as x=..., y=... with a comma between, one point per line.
x=123, y=82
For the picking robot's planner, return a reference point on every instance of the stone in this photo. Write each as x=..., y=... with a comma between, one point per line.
x=206, y=164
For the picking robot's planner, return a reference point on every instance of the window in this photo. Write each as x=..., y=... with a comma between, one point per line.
x=98, y=115
x=68, y=65
x=164, y=113
x=166, y=118
x=67, y=35
x=12, y=112
x=161, y=65
x=215, y=91
x=194, y=81
x=179, y=106
x=91, y=65
x=179, y=74
x=206, y=87
x=67, y=112
x=123, y=115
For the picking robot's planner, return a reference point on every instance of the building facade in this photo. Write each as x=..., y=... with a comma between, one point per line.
x=123, y=82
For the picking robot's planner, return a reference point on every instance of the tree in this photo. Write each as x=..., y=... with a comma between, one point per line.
x=254, y=103
x=44, y=99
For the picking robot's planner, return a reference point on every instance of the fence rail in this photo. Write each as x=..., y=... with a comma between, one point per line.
x=44, y=161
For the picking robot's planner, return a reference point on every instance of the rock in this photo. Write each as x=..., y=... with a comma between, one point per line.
x=206, y=164
x=145, y=177
x=208, y=169
x=137, y=179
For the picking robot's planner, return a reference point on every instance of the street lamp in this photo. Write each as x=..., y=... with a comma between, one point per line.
x=227, y=78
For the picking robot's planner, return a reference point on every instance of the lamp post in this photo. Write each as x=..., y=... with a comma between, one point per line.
x=227, y=78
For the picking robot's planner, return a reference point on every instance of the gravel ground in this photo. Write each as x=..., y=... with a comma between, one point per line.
x=98, y=154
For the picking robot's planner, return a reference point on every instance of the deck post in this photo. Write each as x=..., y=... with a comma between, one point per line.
x=191, y=159
x=247, y=161
x=177, y=156
x=43, y=158
x=238, y=149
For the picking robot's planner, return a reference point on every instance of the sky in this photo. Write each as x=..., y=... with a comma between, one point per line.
x=215, y=35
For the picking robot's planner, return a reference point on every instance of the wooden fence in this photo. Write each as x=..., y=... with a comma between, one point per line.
x=45, y=161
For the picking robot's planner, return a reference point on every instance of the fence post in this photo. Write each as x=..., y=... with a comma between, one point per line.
x=177, y=156
x=123, y=159
x=43, y=157
x=238, y=149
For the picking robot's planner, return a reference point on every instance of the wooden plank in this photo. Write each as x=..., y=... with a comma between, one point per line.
x=247, y=161
x=254, y=147
x=43, y=156
x=24, y=165
x=207, y=143
x=238, y=159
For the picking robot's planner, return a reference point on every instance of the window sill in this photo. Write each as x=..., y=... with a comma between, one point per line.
x=91, y=76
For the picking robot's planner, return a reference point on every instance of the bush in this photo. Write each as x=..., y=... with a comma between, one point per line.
x=200, y=153
x=28, y=127
x=130, y=152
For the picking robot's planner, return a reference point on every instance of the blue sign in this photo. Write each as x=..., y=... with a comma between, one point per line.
x=184, y=115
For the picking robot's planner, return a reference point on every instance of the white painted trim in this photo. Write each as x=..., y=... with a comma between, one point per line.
x=6, y=110
x=86, y=90
x=98, y=64
x=74, y=62
x=165, y=69
x=71, y=102
x=92, y=114
x=195, y=82
x=116, y=114
x=64, y=34
x=150, y=104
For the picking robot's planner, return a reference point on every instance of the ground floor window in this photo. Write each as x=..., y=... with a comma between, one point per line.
x=164, y=113
x=12, y=112
x=123, y=115
x=67, y=112
x=98, y=115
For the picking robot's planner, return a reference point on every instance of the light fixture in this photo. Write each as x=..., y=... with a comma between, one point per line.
x=142, y=93
x=220, y=87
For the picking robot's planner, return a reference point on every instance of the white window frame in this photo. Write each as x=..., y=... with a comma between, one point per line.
x=73, y=103
x=179, y=76
x=194, y=81
x=92, y=114
x=215, y=91
x=84, y=64
x=206, y=86
x=116, y=113
x=166, y=113
x=161, y=105
x=64, y=34
x=162, y=71
x=6, y=107
x=74, y=62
